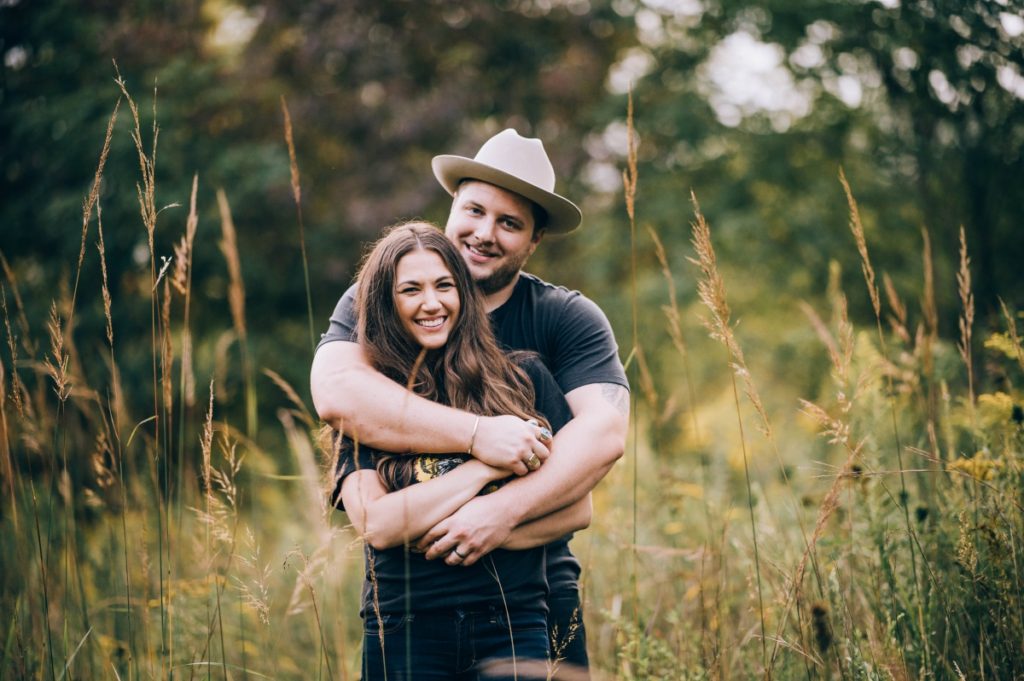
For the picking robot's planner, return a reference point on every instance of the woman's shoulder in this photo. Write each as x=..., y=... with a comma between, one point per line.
x=529, y=361
x=548, y=397
x=533, y=366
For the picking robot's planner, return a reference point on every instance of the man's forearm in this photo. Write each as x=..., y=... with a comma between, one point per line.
x=583, y=451
x=575, y=516
x=582, y=454
x=366, y=405
x=355, y=399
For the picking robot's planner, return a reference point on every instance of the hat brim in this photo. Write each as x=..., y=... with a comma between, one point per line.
x=563, y=215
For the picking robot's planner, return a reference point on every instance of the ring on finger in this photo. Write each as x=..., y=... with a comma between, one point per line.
x=456, y=552
x=533, y=463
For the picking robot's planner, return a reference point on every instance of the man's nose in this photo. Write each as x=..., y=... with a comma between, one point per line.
x=484, y=230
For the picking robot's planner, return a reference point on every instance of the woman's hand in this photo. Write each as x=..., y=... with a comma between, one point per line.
x=510, y=443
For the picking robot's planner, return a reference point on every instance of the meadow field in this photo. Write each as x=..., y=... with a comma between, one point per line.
x=866, y=524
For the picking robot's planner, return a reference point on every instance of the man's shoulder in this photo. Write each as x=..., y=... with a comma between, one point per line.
x=557, y=299
x=545, y=291
x=343, y=321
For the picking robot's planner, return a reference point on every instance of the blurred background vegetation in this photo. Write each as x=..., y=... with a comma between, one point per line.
x=752, y=106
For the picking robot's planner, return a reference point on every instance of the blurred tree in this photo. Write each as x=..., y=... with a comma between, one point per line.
x=756, y=105
x=377, y=89
x=951, y=75
x=374, y=90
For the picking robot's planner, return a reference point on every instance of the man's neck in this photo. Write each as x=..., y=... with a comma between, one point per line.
x=495, y=300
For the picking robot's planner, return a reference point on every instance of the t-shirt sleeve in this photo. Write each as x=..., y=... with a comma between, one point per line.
x=584, y=350
x=343, y=320
x=548, y=398
x=350, y=460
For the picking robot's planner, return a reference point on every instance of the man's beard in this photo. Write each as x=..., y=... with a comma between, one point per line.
x=501, y=277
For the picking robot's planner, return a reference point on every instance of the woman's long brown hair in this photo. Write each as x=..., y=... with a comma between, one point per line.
x=470, y=372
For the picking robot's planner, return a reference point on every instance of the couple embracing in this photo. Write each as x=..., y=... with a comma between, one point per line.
x=476, y=407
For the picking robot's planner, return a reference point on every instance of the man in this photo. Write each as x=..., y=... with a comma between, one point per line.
x=503, y=204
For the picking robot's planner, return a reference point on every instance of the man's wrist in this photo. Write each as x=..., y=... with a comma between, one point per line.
x=506, y=506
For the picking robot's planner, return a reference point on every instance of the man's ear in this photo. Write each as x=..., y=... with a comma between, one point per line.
x=537, y=235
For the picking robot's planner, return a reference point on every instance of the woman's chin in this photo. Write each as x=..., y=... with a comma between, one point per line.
x=433, y=343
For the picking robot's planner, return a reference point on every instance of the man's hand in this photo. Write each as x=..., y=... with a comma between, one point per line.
x=509, y=442
x=475, y=530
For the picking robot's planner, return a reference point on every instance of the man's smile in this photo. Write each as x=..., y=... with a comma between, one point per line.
x=480, y=255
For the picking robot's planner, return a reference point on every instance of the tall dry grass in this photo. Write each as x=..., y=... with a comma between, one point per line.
x=293, y=166
x=872, y=532
x=151, y=590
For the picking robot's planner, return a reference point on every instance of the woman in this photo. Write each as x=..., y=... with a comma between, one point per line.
x=422, y=324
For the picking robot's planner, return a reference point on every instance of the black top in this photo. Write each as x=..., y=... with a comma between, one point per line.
x=407, y=582
x=571, y=335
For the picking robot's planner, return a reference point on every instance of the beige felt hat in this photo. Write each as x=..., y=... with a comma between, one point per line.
x=518, y=164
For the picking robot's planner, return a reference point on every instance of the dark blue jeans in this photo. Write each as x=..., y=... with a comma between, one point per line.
x=461, y=645
x=568, y=636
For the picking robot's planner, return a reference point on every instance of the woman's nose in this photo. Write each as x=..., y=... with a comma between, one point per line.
x=430, y=300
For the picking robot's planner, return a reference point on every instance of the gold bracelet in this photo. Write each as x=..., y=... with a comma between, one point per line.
x=472, y=438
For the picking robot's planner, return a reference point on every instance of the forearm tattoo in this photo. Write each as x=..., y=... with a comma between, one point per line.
x=617, y=396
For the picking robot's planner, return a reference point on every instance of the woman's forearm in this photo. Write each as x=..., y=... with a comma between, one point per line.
x=403, y=515
x=547, y=529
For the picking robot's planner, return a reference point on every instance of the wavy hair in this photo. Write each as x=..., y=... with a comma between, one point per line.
x=470, y=372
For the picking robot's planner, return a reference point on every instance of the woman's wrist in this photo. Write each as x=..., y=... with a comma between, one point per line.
x=488, y=473
x=472, y=437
